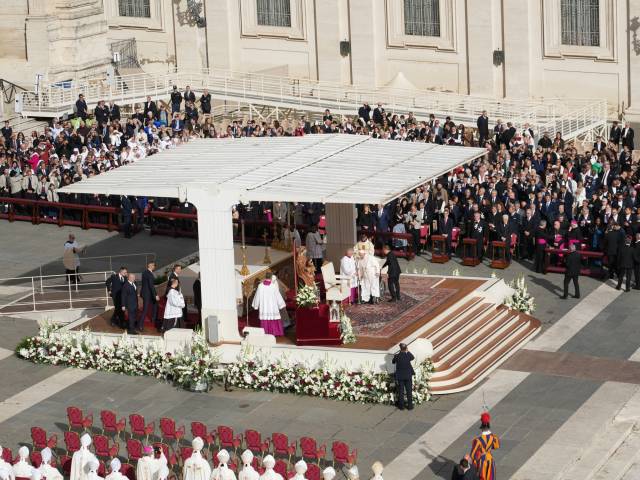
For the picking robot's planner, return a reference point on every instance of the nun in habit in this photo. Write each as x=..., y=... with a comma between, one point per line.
x=268, y=301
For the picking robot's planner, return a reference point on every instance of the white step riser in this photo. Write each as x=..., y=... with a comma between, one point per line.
x=441, y=341
x=478, y=347
x=462, y=333
x=494, y=326
x=451, y=320
x=498, y=361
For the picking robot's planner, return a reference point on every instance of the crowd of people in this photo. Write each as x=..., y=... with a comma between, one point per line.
x=529, y=194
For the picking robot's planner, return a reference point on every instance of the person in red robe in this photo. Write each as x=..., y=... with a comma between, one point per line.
x=482, y=448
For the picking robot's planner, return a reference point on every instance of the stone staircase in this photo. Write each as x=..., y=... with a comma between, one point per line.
x=472, y=340
x=27, y=125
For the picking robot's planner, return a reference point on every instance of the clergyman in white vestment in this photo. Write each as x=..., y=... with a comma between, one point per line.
x=269, y=474
x=196, y=467
x=369, y=276
x=115, y=474
x=300, y=468
x=46, y=470
x=268, y=301
x=222, y=471
x=80, y=459
x=248, y=472
x=22, y=468
x=91, y=469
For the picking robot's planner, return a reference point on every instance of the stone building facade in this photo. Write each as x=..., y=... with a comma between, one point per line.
x=495, y=48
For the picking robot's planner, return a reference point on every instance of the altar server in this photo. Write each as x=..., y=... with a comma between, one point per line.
x=268, y=301
x=369, y=277
x=22, y=468
x=222, y=471
x=115, y=474
x=196, y=467
x=80, y=459
x=348, y=270
x=482, y=447
x=248, y=472
x=46, y=470
x=268, y=463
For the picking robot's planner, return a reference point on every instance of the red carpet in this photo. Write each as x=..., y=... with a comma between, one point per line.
x=386, y=319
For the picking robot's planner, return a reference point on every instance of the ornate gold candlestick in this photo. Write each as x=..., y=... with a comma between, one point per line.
x=267, y=258
x=244, y=271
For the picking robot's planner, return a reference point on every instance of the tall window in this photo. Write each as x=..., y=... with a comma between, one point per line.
x=134, y=8
x=422, y=18
x=274, y=13
x=580, y=22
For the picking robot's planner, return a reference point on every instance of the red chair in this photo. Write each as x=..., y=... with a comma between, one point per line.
x=342, y=455
x=111, y=424
x=253, y=441
x=138, y=426
x=128, y=471
x=199, y=429
x=36, y=459
x=226, y=439
x=281, y=467
x=185, y=452
x=40, y=440
x=309, y=448
x=72, y=442
x=514, y=243
x=102, y=469
x=134, y=449
x=77, y=420
x=281, y=445
x=170, y=456
x=424, y=235
x=65, y=465
x=7, y=455
x=455, y=238
x=168, y=430
x=313, y=472
x=102, y=447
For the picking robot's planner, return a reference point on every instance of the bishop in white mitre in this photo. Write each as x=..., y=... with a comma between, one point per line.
x=369, y=276
x=46, y=470
x=196, y=467
x=268, y=463
x=80, y=459
x=300, y=468
x=349, y=271
x=328, y=473
x=377, y=468
x=222, y=471
x=115, y=474
x=6, y=467
x=22, y=468
x=91, y=469
x=248, y=472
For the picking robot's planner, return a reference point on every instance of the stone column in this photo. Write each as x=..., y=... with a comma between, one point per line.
x=632, y=113
x=217, y=265
x=341, y=230
x=485, y=36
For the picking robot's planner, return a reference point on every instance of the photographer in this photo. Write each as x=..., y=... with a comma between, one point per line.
x=404, y=376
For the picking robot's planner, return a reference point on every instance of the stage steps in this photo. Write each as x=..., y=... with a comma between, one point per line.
x=474, y=339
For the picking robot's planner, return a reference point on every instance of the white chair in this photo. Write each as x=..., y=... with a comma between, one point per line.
x=336, y=286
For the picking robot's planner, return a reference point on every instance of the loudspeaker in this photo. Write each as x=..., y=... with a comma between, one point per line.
x=212, y=325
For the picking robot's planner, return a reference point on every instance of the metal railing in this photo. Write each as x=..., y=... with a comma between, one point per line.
x=43, y=293
x=110, y=263
x=310, y=95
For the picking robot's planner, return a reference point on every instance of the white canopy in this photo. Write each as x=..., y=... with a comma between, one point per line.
x=314, y=168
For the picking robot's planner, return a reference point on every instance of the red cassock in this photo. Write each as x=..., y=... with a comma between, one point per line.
x=481, y=455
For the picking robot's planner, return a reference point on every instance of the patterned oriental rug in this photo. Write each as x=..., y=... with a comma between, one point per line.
x=388, y=318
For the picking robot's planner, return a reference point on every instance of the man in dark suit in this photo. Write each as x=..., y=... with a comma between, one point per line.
x=81, y=107
x=126, y=209
x=393, y=273
x=615, y=133
x=503, y=232
x=613, y=240
x=205, y=102
x=625, y=264
x=176, y=100
x=114, y=111
x=627, y=136
x=197, y=296
x=445, y=227
x=478, y=232
x=150, y=106
x=130, y=303
x=464, y=471
x=149, y=296
x=572, y=272
x=114, y=285
x=483, y=128
x=404, y=376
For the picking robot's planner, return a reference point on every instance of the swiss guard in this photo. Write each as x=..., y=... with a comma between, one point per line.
x=482, y=448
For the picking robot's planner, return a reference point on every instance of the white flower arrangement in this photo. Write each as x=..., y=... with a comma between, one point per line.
x=455, y=272
x=284, y=376
x=521, y=300
x=346, y=329
x=307, y=296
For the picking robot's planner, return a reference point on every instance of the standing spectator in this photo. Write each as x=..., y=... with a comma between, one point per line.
x=126, y=210
x=483, y=128
x=627, y=136
x=378, y=114
x=101, y=113
x=114, y=286
x=174, y=306
x=71, y=258
x=625, y=264
x=615, y=134
x=114, y=111
x=572, y=271
x=149, y=295
x=613, y=240
x=404, y=376
x=7, y=131
x=176, y=100
x=81, y=107
x=150, y=107
x=205, y=102
x=393, y=273
x=364, y=112
x=188, y=95
x=313, y=242
x=130, y=304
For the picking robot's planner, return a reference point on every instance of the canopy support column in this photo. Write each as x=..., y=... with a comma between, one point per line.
x=217, y=265
x=341, y=230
